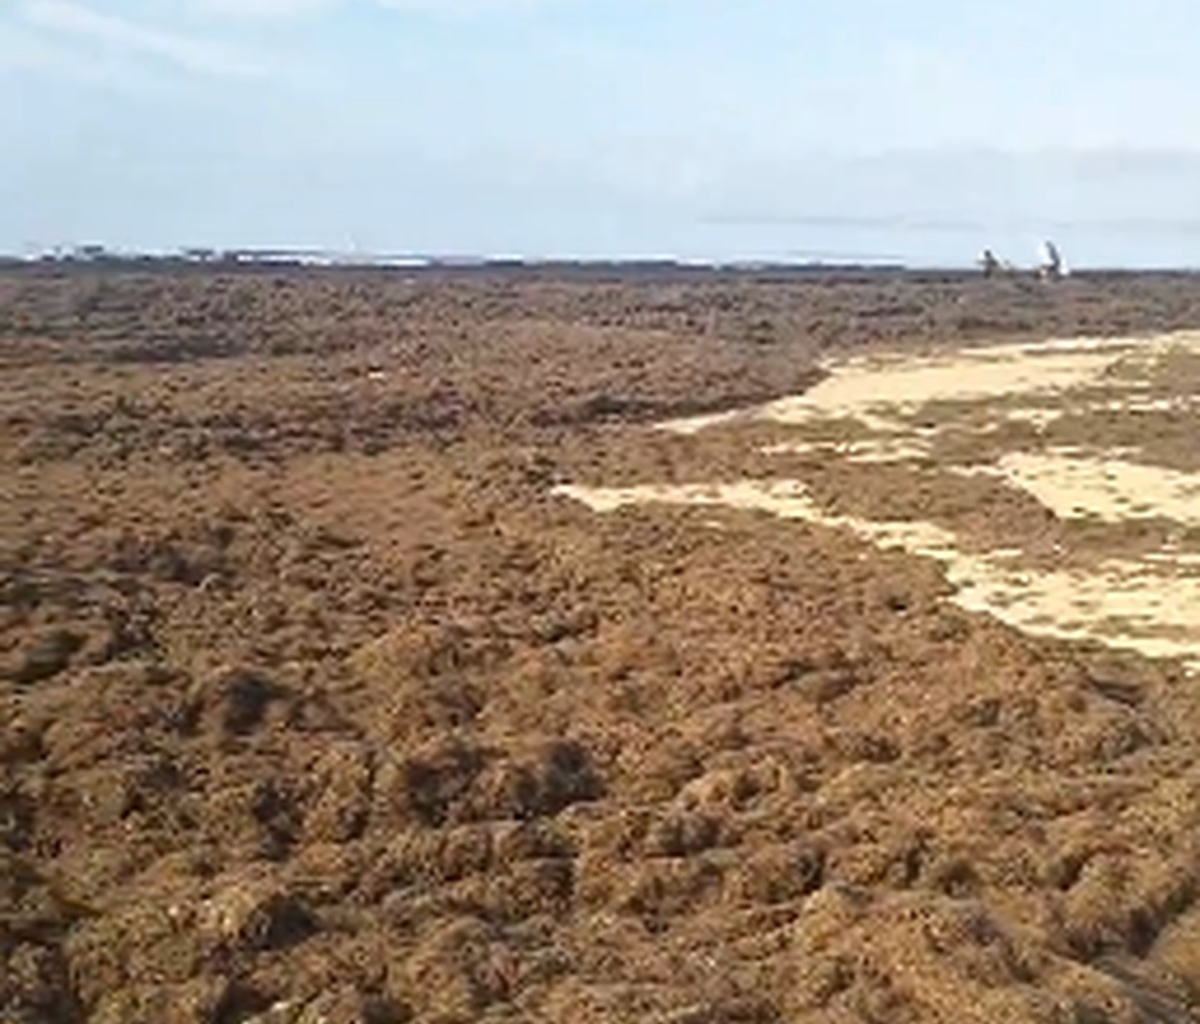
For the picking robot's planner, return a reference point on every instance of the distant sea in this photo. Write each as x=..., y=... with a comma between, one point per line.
x=1132, y=245
x=883, y=241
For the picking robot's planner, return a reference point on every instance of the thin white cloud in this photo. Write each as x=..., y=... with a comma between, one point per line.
x=260, y=8
x=190, y=53
x=297, y=8
x=27, y=52
x=21, y=50
x=457, y=7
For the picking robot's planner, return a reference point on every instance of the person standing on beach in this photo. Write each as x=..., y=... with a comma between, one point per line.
x=989, y=263
x=1050, y=268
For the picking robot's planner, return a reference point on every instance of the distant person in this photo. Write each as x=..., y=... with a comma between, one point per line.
x=1050, y=266
x=989, y=263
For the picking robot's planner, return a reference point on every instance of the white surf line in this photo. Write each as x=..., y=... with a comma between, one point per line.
x=1121, y=604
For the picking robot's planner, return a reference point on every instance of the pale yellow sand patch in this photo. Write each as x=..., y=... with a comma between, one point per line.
x=881, y=390
x=870, y=391
x=1039, y=417
x=690, y=425
x=1110, y=489
x=883, y=450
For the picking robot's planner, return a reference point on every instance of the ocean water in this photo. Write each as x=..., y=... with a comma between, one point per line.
x=951, y=245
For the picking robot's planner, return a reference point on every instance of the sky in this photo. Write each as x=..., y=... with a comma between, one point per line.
x=915, y=130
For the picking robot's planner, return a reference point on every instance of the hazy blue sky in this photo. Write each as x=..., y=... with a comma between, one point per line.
x=920, y=129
